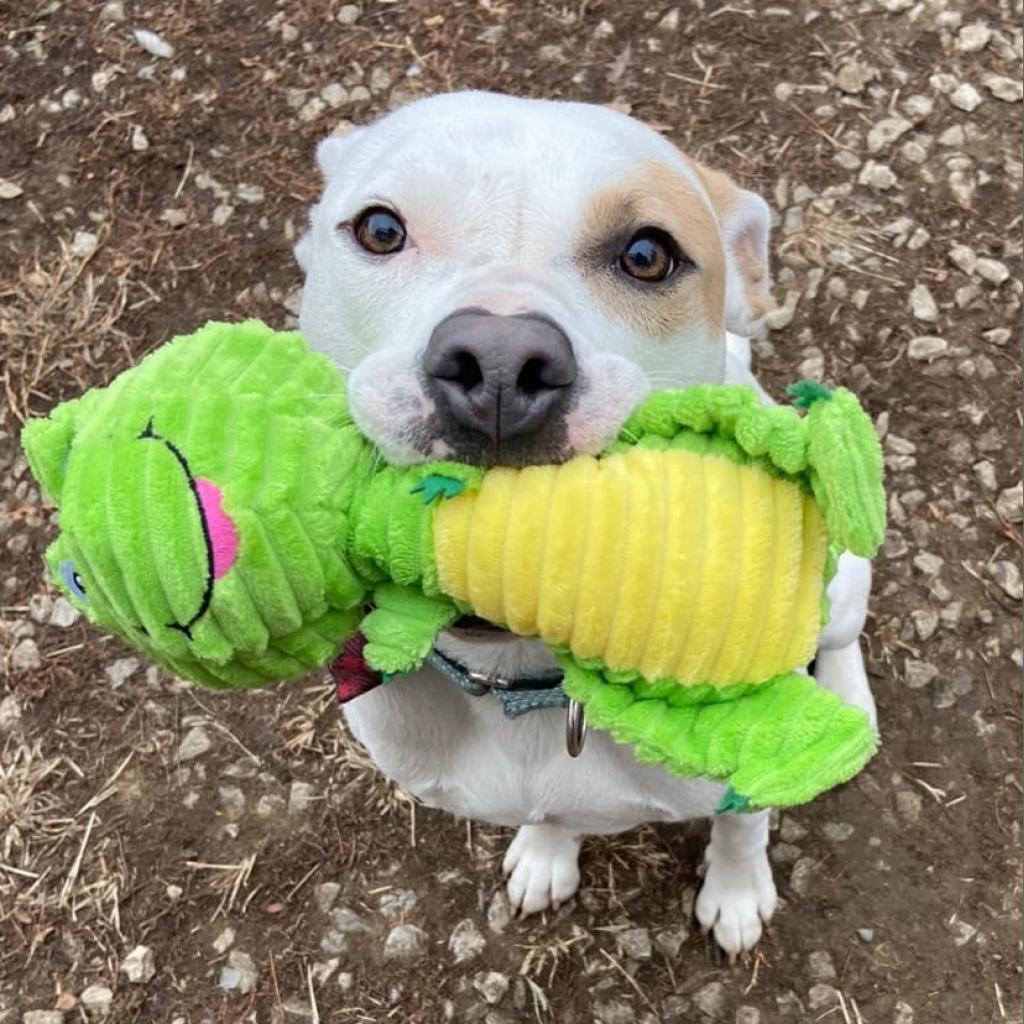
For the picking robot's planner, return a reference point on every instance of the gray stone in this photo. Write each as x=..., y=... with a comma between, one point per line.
x=711, y=1000
x=801, y=875
x=271, y=805
x=334, y=95
x=194, y=744
x=887, y=131
x=965, y=97
x=903, y=1013
x=405, y=942
x=139, y=139
x=837, y=831
x=25, y=657
x=822, y=996
x=923, y=305
x=96, y=1000
x=866, y=934
x=153, y=43
x=232, y=799
x=852, y=77
x=251, y=194
x=348, y=922
x=748, y=1015
x=1010, y=505
x=669, y=941
x=325, y=894
x=616, y=1012
x=120, y=671
x=10, y=714
x=499, y=912
x=139, y=965
x=877, y=176
x=928, y=563
x=348, y=14
x=993, y=271
x=1007, y=575
x=39, y=608
x=926, y=621
x=323, y=970
x=985, y=473
x=466, y=941
x=634, y=943
x=64, y=614
x=300, y=797
x=1008, y=90
x=492, y=986
x=927, y=347
x=239, y=975
x=973, y=38
x=908, y=805
x=820, y=966
x=224, y=941
x=918, y=674
x=398, y=904
x=43, y=1017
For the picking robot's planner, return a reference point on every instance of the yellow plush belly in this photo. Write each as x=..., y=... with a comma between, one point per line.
x=670, y=563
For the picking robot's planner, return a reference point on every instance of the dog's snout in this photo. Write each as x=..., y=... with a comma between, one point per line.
x=502, y=376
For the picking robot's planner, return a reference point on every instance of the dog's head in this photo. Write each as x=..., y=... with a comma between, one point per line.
x=503, y=279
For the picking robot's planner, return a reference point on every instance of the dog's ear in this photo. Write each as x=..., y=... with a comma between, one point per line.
x=746, y=222
x=333, y=151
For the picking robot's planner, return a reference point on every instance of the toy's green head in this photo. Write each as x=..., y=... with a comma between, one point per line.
x=202, y=501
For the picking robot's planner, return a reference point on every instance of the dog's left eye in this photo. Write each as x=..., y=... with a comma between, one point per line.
x=379, y=231
x=651, y=255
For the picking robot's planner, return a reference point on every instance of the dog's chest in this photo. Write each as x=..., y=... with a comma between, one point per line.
x=462, y=754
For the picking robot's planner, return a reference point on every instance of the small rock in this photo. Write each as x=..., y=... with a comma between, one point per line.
x=195, y=743
x=877, y=176
x=64, y=614
x=312, y=109
x=837, y=831
x=927, y=347
x=347, y=922
x=852, y=77
x=346, y=979
x=499, y=912
x=903, y=1013
x=965, y=97
x=887, y=131
x=926, y=621
x=322, y=971
x=923, y=305
x=820, y=966
x=301, y=796
x=239, y=974
x=347, y=14
x=634, y=943
x=614, y=1012
x=404, y=942
x=669, y=941
x=140, y=141
x=908, y=805
x=961, y=931
x=919, y=674
x=152, y=43
x=782, y=316
x=670, y=22
x=985, y=473
x=993, y=271
x=492, y=986
x=973, y=38
x=466, y=941
x=334, y=95
x=224, y=941
x=25, y=657
x=139, y=965
x=801, y=875
x=43, y=1017
x=221, y=213
x=396, y=905
x=1010, y=503
x=711, y=1000
x=928, y=563
x=380, y=81
x=950, y=688
x=270, y=805
x=10, y=714
x=96, y=1000
x=821, y=996
x=84, y=244
x=40, y=606
x=252, y=194
x=1007, y=574
x=359, y=94
x=866, y=934
x=748, y=1015
x=112, y=11
x=120, y=671
x=10, y=189
x=1006, y=89
x=964, y=258
x=954, y=136
x=325, y=895
x=918, y=107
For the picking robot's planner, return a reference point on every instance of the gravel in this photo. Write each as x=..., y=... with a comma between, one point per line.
x=927, y=347
x=139, y=965
x=195, y=743
x=25, y=657
x=492, y=986
x=405, y=942
x=466, y=942
x=239, y=974
x=96, y=1000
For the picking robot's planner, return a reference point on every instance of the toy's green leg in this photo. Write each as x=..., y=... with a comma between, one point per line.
x=402, y=627
x=781, y=743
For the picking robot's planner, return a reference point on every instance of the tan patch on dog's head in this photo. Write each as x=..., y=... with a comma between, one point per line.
x=656, y=195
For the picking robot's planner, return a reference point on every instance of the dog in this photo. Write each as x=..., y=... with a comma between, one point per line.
x=502, y=280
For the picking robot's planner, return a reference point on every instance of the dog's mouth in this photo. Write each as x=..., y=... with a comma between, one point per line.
x=473, y=629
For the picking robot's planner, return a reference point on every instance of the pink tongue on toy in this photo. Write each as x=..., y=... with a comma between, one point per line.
x=223, y=535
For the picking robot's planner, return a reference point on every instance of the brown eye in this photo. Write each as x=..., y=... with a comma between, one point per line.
x=651, y=255
x=379, y=231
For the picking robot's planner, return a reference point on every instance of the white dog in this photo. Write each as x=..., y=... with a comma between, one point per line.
x=502, y=280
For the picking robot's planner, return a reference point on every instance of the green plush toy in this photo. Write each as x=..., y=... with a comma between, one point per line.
x=220, y=511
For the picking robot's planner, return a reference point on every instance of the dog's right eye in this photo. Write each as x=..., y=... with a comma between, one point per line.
x=379, y=231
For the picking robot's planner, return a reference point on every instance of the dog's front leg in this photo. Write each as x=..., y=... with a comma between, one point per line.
x=542, y=863
x=738, y=896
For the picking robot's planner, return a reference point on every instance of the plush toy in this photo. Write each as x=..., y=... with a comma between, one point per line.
x=220, y=511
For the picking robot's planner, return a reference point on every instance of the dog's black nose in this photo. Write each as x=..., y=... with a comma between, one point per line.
x=502, y=376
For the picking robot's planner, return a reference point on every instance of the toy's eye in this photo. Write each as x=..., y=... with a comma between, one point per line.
x=73, y=581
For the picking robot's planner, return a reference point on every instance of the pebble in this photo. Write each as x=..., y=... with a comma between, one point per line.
x=993, y=271
x=301, y=796
x=877, y=176
x=347, y=922
x=997, y=335
x=380, y=80
x=499, y=912
x=973, y=38
x=96, y=1000
x=84, y=244
x=25, y=657
x=43, y=1017
x=801, y=875
x=634, y=943
x=195, y=743
x=334, y=95
x=950, y=688
x=312, y=109
x=323, y=970
x=1007, y=575
x=961, y=931
x=139, y=965
x=903, y=1013
x=908, y=805
x=347, y=14
x=782, y=316
x=404, y=942
x=711, y=999
x=396, y=905
x=467, y=941
x=928, y=563
x=40, y=606
x=927, y=347
x=152, y=43
x=120, y=671
x=64, y=614
x=270, y=805
x=359, y=94
x=1010, y=504
x=965, y=97
x=1006, y=89
x=922, y=304
x=10, y=189
x=669, y=941
x=887, y=131
x=964, y=258
x=112, y=11
x=916, y=674
x=748, y=1015
x=985, y=473
x=221, y=213
x=852, y=77
x=224, y=941
x=251, y=194
x=821, y=996
x=926, y=621
x=10, y=714
x=492, y=986
x=918, y=107
x=140, y=141
x=239, y=974
x=866, y=934
x=325, y=894
x=837, y=831
x=820, y=966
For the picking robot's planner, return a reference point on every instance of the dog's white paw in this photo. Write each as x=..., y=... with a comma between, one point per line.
x=542, y=863
x=737, y=899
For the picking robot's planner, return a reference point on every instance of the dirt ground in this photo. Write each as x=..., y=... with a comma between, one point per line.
x=245, y=839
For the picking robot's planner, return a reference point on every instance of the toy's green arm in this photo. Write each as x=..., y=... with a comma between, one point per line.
x=776, y=744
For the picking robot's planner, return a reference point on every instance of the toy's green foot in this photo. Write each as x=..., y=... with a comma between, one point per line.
x=402, y=628
x=777, y=744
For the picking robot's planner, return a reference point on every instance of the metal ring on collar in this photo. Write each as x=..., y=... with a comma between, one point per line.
x=575, y=728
